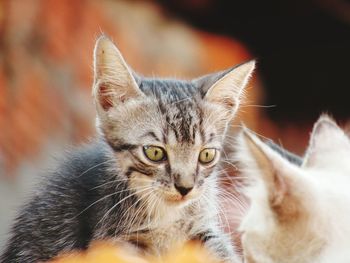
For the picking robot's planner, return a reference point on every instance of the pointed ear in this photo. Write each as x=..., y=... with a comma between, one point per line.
x=226, y=88
x=113, y=79
x=263, y=163
x=326, y=139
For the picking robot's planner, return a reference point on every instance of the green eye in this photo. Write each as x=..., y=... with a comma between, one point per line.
x=154, y=153
x=207, y=155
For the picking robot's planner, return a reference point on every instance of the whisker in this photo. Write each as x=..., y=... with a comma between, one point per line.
x=101, y=199
x=123, y=199
x=110, y=182
x=97, y=165
x=257, y=106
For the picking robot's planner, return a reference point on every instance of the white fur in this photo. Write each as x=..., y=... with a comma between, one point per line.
x=320, y=230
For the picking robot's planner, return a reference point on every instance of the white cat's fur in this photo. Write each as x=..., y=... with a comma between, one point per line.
x=298, y=214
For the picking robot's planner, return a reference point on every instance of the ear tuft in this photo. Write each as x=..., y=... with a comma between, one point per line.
x=323, y=123
x=266, y=165
x=327, y=138
x=105, y=97
x=113, y=79
x=226, y=88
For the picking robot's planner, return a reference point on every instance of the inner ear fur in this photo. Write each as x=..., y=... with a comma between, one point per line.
x=271, y=169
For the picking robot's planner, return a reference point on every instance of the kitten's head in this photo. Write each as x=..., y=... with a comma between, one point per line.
x=166, y=134
x=296, y=212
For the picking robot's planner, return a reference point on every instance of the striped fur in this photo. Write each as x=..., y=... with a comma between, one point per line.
x=114, y=192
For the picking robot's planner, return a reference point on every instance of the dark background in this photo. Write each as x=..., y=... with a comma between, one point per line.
x=302, y=47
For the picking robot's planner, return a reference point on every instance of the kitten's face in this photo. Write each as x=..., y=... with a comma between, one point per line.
x=172, y=144
x=298, y=214
x=167, y=135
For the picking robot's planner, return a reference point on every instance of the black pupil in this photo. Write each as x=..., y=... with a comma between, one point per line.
x=155, y=152
x=206, y=155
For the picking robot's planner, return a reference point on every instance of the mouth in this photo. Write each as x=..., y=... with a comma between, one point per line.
x=177, y=199
x=174, y=199
x=180, y=200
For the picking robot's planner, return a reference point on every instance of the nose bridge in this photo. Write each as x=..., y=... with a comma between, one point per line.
x=183, y=165
x=184, y=173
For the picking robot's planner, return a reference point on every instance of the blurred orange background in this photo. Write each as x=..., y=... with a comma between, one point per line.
x=46, y=76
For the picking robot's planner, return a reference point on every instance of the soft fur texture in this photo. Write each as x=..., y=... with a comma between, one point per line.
x=110, y=190
x=298, y=214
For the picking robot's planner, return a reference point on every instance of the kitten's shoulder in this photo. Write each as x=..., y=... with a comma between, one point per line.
x=79, y=157
x=83, y=163
x=59, y=215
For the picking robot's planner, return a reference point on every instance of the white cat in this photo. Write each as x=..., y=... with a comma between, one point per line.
x=297, y=214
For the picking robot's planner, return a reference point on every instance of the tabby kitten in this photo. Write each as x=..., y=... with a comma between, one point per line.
x=298, y=214
x=149, y=178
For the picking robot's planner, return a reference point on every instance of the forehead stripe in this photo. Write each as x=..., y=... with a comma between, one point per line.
x=123, y=147
x=153, y=135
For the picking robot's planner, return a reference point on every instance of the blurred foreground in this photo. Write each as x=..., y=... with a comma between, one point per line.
x=107, y=253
